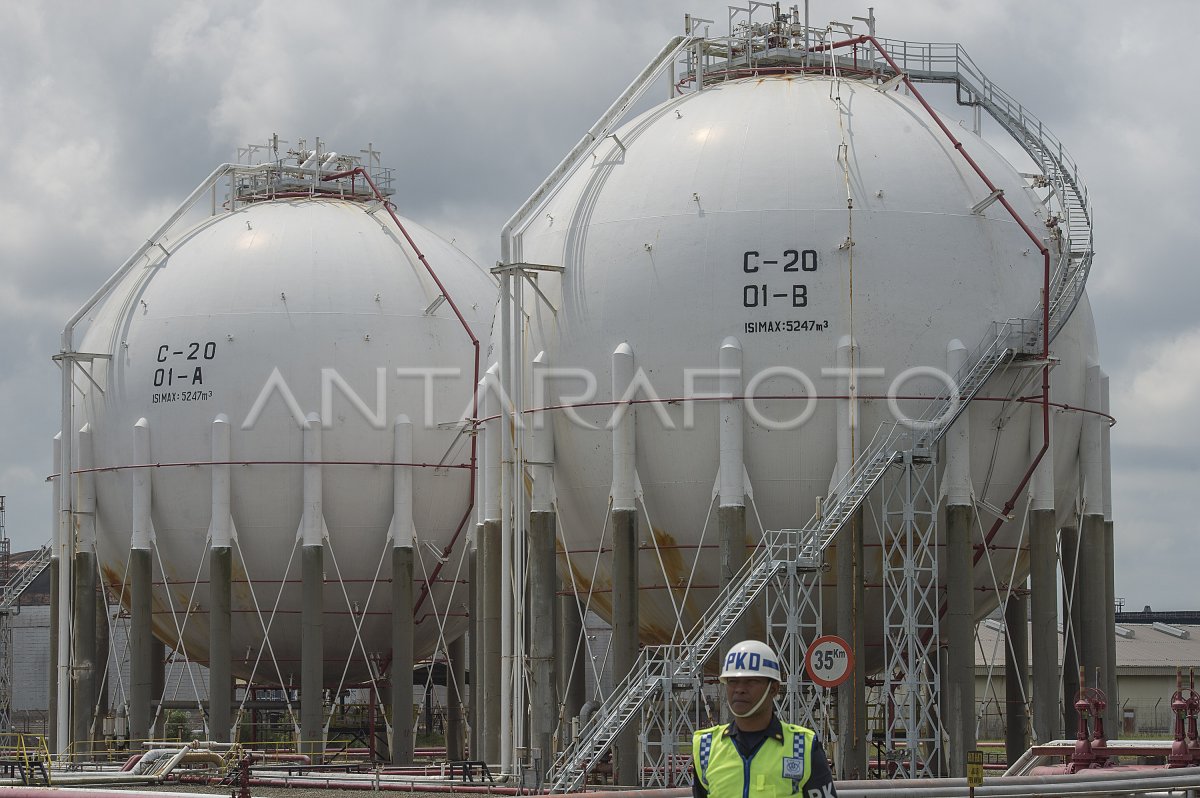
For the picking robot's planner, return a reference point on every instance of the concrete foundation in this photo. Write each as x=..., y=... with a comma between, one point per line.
x=731, y=525
x=1016, y=675
x=220, y=678
x=84, y=672
x=312, y=653
x=1044, y=637
x=572, y=667
x=958, y=626
x=402, y=655
x=52, y=675
x=1092, y=596
x=473, y=668
x=625, y=634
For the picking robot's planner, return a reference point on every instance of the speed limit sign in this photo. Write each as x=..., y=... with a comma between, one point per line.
x=829, y=661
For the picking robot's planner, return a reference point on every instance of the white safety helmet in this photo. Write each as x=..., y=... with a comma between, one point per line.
x=751, y=658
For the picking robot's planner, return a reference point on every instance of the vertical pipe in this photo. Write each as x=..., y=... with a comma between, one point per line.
x=55, y=599
x=312, y=608
x=731, y=509
x=402, y=534
x=508, y=493
x=84, y=672
x=851, y=695
x=493, y=579
x=220, y=587
x=543, y=587
x=478, y=567
x=141, y=620
x=1043, y=591
x=456, y=652
x=1092, y=592
x=625, y=556
x=1110, y=586
x=959, y=623
x=1016, y=674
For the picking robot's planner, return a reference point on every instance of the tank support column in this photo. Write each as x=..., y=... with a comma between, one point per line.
x=731, y=510
x=491, y=572
x=1016, y=673
x=572, y=654
x=959, y=716
x=1091, y=588
x=402, y=534
x=543, y=587
x=141, y=636
x=83, y=642
x=851, y=754
x=625, y=557
x=1068, y=553
x=220, y=581
x=473, y=636
x=1043, y=591
x=456, y=653
x=312, y=645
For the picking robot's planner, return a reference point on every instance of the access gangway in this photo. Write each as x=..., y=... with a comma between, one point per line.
x=29, y=570
x=1009, y=340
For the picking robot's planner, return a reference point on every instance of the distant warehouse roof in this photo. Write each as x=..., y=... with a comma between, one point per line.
x=1147, y=649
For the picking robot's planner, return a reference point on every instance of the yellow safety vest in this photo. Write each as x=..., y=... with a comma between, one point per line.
x=778, y=767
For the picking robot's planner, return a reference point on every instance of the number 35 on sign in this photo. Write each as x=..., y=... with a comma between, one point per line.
x=829, y=661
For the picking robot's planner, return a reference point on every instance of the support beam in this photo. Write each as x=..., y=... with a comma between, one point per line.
x=141, y=637
x=543, y=588
x=624, y=558
x=220, y=588
x=1043, y=591
x=312, y=607
x=402, y=533
x=851, y=755
x=473, y=636
x=1110, y=583
x=731, y=508
x=1091, y=591
x=572, y=662
x=1016, y=674
x=491, y=567
x=959, y=623
x=55, y=601
x=84, y=672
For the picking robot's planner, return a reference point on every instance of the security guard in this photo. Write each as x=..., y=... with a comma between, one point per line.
x=757, y=756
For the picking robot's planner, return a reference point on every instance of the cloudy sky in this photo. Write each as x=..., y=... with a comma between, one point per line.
x=110, y=113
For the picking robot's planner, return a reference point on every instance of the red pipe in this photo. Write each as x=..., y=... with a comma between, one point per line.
x=331, y=784
x=130, y=762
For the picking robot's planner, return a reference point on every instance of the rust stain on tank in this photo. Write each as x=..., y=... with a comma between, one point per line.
x=677, y=572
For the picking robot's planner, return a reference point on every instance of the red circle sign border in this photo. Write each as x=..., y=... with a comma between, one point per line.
x=849, y=661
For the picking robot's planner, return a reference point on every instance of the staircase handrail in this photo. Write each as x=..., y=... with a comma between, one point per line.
x=29, y=570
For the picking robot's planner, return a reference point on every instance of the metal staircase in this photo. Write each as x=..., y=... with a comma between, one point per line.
x=805, y=546
x=30, y=570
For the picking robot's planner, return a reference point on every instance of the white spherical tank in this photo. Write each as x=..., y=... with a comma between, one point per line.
x=282, y=309
x=792, y=213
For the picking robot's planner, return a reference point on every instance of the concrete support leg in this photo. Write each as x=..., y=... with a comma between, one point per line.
x=102, y=658
x=83, y=644
x=402, y=655
x=493, y=582
x=1113, y=718
x=1067, y=553
x=851, y=695
x=543, y=589
x=312, y=653
x=731, y=525
x=220, y=678
x=572, y=655
x=473, y=669
x=456, y=652
x=1016, y=675
x=1043, y=602
x=51, y=727
x=1092, y=594
x=625, y=634
x=141, y=647
x=959, y=628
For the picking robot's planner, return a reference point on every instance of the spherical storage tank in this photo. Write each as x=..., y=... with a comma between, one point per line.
x=790, y=212
x=294, y=303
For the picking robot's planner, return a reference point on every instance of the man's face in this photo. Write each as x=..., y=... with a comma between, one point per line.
x=745, y=693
